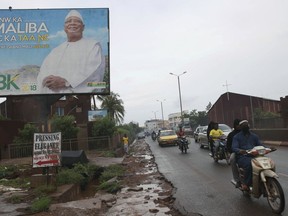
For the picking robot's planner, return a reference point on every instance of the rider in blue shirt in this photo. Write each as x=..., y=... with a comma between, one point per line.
x=243, y=141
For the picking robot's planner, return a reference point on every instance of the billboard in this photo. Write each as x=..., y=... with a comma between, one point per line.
x=54, y=51
x=94, y=115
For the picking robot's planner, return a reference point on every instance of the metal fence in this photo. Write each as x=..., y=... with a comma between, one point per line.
x=93, y=143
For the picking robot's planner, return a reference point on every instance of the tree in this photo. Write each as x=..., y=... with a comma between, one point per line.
x=65, y=125
x=114, y=106
x=103, y=127
x=26, y=135
x=208, y=107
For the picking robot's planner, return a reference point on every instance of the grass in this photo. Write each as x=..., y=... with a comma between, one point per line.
x=109, y=173
x=16, y=183
x=110, y=187
x=41, y=204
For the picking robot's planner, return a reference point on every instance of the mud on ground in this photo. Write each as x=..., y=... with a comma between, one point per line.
x=145, y=191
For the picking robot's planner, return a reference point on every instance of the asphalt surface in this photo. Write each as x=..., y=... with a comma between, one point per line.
x=203, y=187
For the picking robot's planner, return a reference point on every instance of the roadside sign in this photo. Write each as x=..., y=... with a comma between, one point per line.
x=47, y=149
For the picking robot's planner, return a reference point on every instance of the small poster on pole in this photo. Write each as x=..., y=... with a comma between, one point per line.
x=47, y=149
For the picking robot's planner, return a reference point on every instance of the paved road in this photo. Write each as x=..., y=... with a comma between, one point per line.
x=204, y=187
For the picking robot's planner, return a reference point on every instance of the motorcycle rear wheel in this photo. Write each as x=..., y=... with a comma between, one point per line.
x=276, y=200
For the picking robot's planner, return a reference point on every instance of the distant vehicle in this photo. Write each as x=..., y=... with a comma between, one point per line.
x=167, y=137
x=141, y=135
x=188, y=130
x=202, y=136
x=196, y=132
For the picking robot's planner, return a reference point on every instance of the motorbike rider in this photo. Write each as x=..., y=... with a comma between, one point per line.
x=210, y=141
x=153, y=135
x=243, y=141
x=230, y=136
x=215, y=135
x=180, y=134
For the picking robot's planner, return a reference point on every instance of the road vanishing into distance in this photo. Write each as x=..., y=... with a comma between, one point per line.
x=204, y=187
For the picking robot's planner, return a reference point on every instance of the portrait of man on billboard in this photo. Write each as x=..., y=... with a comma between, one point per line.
x=54, y=51
x=74, y=65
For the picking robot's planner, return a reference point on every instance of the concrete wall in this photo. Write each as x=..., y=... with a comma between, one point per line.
x=276, y=135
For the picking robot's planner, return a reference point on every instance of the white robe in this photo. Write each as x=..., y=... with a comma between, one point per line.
x=78, y=62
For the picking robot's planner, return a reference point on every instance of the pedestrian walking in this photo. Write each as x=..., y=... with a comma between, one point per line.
x=125, y=143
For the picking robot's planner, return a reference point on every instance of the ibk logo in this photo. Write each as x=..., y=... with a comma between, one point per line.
x=7, y=82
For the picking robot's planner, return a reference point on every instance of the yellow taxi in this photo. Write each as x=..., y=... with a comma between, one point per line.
x=167, y=137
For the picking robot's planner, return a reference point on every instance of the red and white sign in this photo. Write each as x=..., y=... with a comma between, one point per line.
x=47, y=149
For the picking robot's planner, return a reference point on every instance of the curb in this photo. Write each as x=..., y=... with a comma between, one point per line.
x=277, y=143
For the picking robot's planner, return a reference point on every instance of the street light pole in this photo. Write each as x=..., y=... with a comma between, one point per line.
x=154, y=114
x=179, y=89
x=162, y=111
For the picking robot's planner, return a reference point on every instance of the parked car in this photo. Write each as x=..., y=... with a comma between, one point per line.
x=196, y=132
x=202, y=136
x=141, y=135
x=167, y=137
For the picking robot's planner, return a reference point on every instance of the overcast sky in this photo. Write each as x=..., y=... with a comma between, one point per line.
x=241, y=43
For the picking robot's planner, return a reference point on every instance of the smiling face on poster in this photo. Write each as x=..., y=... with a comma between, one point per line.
x=54, y=51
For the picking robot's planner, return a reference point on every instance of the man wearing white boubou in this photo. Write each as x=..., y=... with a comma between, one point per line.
x=75, y=65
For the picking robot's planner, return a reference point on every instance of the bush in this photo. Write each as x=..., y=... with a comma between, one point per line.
x=41, y=204
x=6, y=171
x=68, y=176
x=111, y=172
x=44, y=190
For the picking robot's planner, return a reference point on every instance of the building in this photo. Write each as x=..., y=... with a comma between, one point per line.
x=38, y=110
x=175, y=119
x=156, y=124
x=232, y=105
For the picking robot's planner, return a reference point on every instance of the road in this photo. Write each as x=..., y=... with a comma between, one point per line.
x=203, y=187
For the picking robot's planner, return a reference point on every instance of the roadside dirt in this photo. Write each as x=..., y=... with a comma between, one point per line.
x=145, y=191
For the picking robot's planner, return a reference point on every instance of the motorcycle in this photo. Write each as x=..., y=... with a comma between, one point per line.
x=154, y=136
x=264, y=180
x=183, y=144
x=221, y=151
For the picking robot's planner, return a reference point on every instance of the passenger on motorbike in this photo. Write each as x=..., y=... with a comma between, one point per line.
x=215, y=135
x=230, y=136
x=210, y=141
x=243, y=141
x=180, y=134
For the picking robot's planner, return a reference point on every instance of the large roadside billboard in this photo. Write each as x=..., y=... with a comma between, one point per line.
x=54, y=51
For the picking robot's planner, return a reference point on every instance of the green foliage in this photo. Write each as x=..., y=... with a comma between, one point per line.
x=110, y=187
x=44, y=190
x=197, y=118
x=69, y=176
x=115, y=107
x=111, y=172
x=260, y=114
x=26, y=135
x=103, y=127
x=16, y=183
x=7, y=170
x=16, y=199
x=79, y=174
x=41, y=204
x=131, y=129
x=108, y=154
x=3, y=117
x=65, y=125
